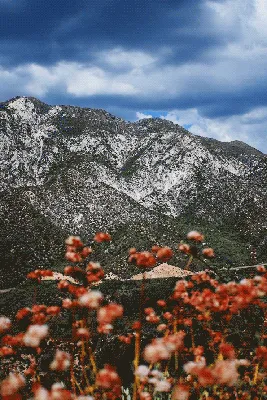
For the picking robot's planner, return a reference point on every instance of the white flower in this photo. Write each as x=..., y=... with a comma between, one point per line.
x=5, y=324
x=35, y=334
x=153, y=381
x=163, y=386
x=58, y=386
x=192, y=366
x=142, y=371
x=155, y=352
x=156, y=373
x=242, y=361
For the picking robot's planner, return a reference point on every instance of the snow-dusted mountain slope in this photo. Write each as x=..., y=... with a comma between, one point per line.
x=84, y=169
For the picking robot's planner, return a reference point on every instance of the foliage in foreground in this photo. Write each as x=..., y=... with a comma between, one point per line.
x=207, y=340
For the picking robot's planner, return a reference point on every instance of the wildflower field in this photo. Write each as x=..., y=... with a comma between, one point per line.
x=201, y=337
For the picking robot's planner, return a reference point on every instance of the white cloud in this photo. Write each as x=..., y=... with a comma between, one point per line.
x=140, y=115
x=119, y=58
x=225, y=70
x=66, y=77
x=249, y=127
x=38, y=79
x=245, y=19
x=88, y=81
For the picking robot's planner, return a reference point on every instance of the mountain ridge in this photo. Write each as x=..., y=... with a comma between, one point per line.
x=141, y=122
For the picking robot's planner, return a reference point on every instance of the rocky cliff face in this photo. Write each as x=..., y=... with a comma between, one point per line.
x=80, y=170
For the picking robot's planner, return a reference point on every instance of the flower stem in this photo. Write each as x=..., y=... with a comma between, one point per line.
x=138, y=336
x=255, y=377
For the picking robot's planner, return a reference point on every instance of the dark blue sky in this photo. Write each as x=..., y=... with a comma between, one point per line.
x=202, y=64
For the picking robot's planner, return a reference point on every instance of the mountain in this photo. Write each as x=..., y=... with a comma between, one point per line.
x=67, y=169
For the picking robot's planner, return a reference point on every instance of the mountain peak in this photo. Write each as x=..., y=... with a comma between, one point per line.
x=155, y=121
x=24, y=99
x=244, y=145
x=159, y=124
x=26, y=107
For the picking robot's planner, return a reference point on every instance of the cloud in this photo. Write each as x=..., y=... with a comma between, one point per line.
x=120, y=58
x=209, y=86
x=245, y=19
x=71, y=78
x=140, y=115
x=249, y=127
x=233, y=71
x=88, y=81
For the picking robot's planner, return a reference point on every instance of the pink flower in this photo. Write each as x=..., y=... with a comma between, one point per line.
x=107, y=378
x=205, y=377
x=162, y=348
x=162, y=386
x=227, y=350
x=155, y=352
x=5, y=324
x=194, y=235
x=35, y=334
x=73, y=257
x=153, y=318
x=261, y=268
x=164, y=253
x=108, y=313
x=6, y=351
x=174, y=342
x=161, y=303
x=161, y=327
x=142, y=371
x=86, y=251
x=180, y=392
x=144, y=259
x=193, y=367
x=105, y=328
x=91, y=299
x=67, y=303
x=184, y=248
x=61, y=361
x=82, y=333
x=145, y=396
x=225, y=372
x=23, y=313
x=12, y=384
x=102, y=237
x=58, y=392
x=41, y=394
x=208, y=252
x=180, y=289
x=53, y=310
x=74, y=241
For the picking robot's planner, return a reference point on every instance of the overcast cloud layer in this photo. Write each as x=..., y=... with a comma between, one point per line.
x=200, y=64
